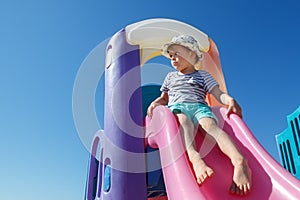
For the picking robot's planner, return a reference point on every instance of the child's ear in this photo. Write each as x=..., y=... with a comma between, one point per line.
x=193, y=54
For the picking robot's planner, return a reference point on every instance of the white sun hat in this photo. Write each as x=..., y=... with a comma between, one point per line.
x=186, y=41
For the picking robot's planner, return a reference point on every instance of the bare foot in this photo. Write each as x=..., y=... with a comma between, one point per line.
x=202, y=171
x=241, y=184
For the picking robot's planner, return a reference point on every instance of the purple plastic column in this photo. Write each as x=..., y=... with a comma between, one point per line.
x=123, y=121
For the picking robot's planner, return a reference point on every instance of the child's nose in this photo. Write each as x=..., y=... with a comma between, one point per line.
x=173, y=57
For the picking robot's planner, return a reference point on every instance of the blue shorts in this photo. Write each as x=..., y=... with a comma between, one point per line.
x=194, y=111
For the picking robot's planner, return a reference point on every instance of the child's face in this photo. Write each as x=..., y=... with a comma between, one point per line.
x=181, y=57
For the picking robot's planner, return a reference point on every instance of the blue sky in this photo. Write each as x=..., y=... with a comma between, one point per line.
x=43, y=44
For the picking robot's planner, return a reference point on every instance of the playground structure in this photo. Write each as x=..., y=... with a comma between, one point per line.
x=288, y=143
x=119, y=163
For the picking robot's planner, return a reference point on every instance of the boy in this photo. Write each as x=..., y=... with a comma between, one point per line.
x=185, y=91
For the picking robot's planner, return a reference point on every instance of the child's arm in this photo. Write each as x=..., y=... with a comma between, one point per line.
x=162, y=100
x=233, y=106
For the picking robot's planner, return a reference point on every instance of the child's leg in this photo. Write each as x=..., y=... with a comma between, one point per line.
x=202, y=171
x=242, y=172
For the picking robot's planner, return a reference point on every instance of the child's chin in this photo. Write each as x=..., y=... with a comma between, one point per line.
x=175, y=65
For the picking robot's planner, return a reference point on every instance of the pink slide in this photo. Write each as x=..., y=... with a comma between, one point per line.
x=269, y=179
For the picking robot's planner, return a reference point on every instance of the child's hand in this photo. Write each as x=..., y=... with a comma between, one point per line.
x=151, y=108
x=234, y=107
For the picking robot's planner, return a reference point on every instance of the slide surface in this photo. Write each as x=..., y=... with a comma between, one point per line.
x=270, y=179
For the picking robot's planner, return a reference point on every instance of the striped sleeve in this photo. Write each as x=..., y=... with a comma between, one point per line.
x=164, y=88
x=209, y=82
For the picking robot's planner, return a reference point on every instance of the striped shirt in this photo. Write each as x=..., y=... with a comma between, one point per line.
x=188, y=88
